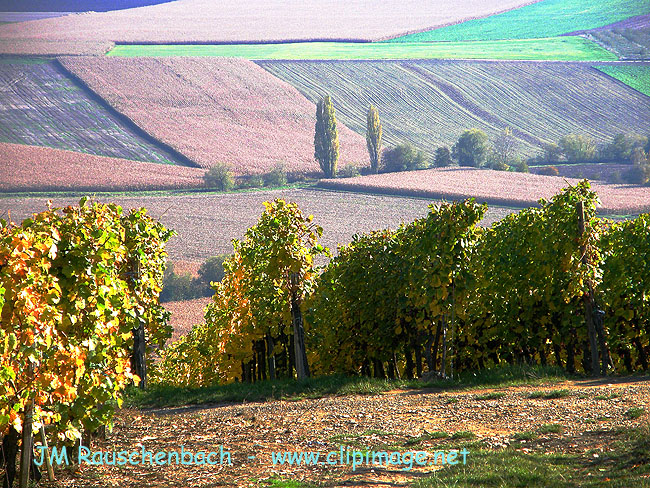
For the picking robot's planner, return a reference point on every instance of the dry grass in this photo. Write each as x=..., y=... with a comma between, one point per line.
x=31, y=168
x=202, y=21
x=494, y=187
x=215, y=110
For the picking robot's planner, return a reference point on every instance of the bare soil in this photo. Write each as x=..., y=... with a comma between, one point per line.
x=592, y=416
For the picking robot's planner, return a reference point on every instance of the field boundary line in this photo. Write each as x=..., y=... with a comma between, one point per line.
x=123, y=118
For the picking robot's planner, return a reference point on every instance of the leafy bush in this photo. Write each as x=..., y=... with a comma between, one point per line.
x=443, y=157
x=622, y=148
x=183, y=287
x=211, y=270
x=253, y=181
x=176, y=286
x=639, y=174
x=277, y=176
x=549, y=171
x=472, y=148
x=521, y=166
x=220, y=177
x=403, y=157
x=349, y=171
x=578, y=148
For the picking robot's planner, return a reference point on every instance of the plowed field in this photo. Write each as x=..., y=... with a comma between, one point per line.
x=215, y=110
x=430, y=103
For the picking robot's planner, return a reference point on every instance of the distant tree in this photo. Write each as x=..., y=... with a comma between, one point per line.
x=639, y=174
x=505, y=148
x=521, y=166
x=471, y=149
x=277, y=176
x=326, y=137
x=211, y=270
x=621, y=149
x=578, y=148
x=552, y=154
x=403, y=157
x=373, y=138
x=175, y=286
x=442, y=157
x=220, y=177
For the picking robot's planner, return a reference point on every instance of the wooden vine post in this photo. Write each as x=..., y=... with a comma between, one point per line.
x=588, y=297
x=138, y=359
x=302, y=367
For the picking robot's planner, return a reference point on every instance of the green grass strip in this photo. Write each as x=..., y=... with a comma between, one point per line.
x=173, y=396
x=625, y=464
x=543, y=19
x=557, y=49
x=637, y=77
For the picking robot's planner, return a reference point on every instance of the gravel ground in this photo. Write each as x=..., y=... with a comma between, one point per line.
x=591, y=415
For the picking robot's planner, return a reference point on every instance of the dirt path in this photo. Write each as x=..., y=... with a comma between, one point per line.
x=591, y=414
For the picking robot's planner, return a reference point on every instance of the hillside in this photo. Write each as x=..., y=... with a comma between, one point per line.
x=215, y=110
x=541, y=19
x=253, y=20
x=43, y=106
x=30, y=168
x=207, y=223
x=430, y=103
x=493, y=187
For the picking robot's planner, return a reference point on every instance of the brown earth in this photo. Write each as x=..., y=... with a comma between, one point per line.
x=215, y=110
x=591, y=416
x=33, y=168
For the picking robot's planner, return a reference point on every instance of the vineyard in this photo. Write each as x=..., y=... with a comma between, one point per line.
x=215, y=111
x=549, y=284
x=553, y=48
x=560, y=17
x=625, y=43
x=42, y=106
x=78, y=292
x=60, y=170
x=438, y=294
x=429, y=103
x=251, y=21
x=637, y=77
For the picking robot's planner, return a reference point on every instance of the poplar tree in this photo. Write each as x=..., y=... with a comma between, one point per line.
x=373, y=138
x=326, y=138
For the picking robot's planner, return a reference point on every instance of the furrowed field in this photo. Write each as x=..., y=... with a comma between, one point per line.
x=207, y=223
x=493, y=187
x=215, y=110
x=43, y=106
x=553, y=48
x=234, y=21
x=31, y=168
x=559, y=17
x=430, y=103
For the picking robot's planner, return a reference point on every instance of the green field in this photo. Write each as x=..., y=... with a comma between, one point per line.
x=558, y=49
x=638, y=77
x=544, y=19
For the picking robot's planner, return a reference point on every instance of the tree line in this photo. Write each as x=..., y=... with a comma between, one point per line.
x=474, y=149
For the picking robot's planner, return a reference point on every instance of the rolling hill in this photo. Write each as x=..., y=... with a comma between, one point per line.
x=215, y=110
x=430, y=103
